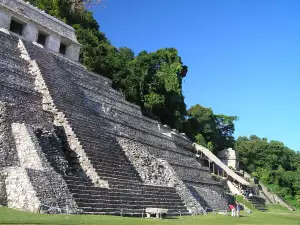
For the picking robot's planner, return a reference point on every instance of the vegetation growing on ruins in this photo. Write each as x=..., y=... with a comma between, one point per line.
x=153, y=80
x=273, y=163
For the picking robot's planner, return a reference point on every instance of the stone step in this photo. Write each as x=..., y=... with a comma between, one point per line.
x=110, y=163
x=135, y=212
x=8, y=62
x=102, y=145
x=8, y=40
x=81, y=70
x=130, y=185
x=14, y=81
x=93, y=123
x=92, y=130
x=96, y=86
x=82, y=135
x=108, y=159
x=17, y=71
x=118, y=184
x=127, y=197
x=192, y=167
x=134, y=202
x=115, y=170
x=201, y=182
x=118, y=171
x=13, y=50
x=12, y=56
x=126, y=205
x=109, y=140
x=105, y=175
x=118, y=103
x=97, y=191
x=105, y=150
x=11, y=92
x=112, y=188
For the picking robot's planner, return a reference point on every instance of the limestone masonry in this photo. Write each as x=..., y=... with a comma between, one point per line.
x=36, y=26
x=69, y=143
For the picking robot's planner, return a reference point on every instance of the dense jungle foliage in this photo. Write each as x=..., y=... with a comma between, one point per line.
x=153, y=80
x=273, y=163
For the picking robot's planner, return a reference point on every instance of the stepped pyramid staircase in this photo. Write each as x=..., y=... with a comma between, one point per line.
x=83, y=145
x=126, y=194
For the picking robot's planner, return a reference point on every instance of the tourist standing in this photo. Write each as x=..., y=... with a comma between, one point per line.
x=232, y=208
x=238, y=208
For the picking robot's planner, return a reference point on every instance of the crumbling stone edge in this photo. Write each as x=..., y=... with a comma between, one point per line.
x=155, y=171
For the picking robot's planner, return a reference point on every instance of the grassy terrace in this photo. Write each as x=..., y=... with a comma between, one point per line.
x=276, y=215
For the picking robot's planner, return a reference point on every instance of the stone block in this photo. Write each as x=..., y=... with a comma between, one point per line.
x=5, y=19
x=73, y=51
x=30, y=32
x=53, y=43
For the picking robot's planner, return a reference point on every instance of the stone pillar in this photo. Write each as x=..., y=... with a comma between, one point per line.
x=30, y=32
x=4, y=20
x=73, y=51
x=53, y=42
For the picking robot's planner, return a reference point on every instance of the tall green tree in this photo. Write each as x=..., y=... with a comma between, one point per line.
x=216, y=130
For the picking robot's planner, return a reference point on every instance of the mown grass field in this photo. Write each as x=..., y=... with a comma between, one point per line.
x=277, y=216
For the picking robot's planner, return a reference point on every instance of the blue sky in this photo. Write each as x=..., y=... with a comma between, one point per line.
x=243, y=55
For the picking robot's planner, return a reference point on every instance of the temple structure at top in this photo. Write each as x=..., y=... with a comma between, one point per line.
x=36, y=26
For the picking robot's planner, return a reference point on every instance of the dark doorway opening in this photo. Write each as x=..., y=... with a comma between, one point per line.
x=16, y=27
x=62, y=49
x=42, y=39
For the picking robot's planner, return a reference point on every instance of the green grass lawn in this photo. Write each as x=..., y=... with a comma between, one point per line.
x=9, y=216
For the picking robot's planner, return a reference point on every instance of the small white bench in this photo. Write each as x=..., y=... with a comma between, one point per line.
x=157, y=211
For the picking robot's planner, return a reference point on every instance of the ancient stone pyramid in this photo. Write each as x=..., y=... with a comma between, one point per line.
x=70, y=143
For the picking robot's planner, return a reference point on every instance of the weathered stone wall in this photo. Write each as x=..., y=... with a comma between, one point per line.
x=229, y=158
x=31, y=13
x=156, y=171
x=49, y=187
x=20, y=192
x=4, y=19
x=3, y=197
x=8, y=156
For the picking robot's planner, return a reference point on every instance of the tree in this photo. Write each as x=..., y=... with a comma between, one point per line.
x=215, y=129
x=80, y=6
x=225, y=129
